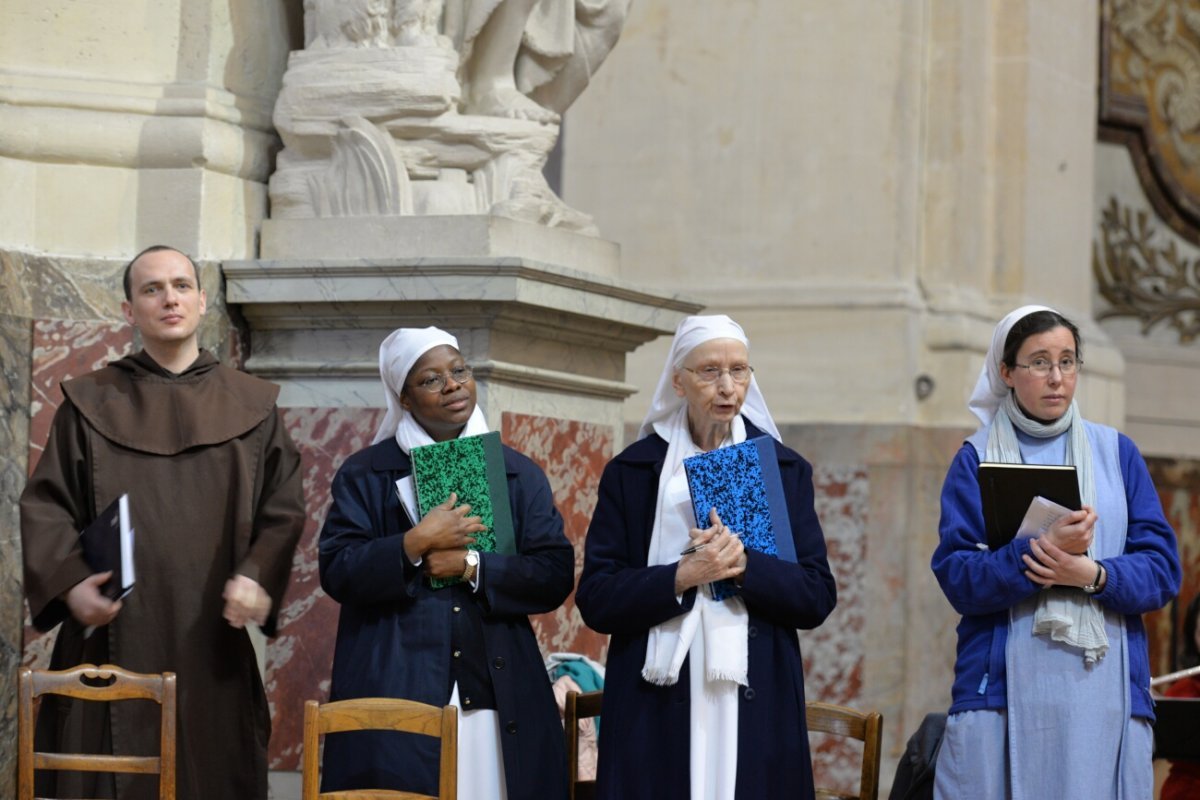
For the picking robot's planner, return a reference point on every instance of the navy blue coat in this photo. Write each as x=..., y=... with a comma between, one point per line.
x=644, y=736
x=393, y=636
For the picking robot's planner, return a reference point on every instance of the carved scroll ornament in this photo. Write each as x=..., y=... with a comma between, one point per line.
x=1141, y=276
x=1150, y=100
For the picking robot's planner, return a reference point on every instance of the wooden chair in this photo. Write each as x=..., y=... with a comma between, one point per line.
x=33, y=684
x=380, y=714
x=579, y=706
x=867, y=728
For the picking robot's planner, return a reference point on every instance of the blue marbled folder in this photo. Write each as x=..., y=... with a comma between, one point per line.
x=742, y=482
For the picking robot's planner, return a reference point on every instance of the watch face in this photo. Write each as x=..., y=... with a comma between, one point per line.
x=472, y=558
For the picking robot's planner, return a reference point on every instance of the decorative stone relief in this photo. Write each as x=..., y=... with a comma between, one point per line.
x=402, y=107
x=1150, y=100
x=1145, y=274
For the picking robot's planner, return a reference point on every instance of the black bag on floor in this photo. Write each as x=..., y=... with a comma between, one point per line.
x=914, y=773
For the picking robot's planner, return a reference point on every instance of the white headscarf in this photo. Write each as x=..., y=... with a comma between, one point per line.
x=692, y=332
x=990, y=389
x=398, y=354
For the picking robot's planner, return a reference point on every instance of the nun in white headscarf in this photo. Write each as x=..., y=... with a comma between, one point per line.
x=703, y=699
x=1051, y=695
x=470, y=644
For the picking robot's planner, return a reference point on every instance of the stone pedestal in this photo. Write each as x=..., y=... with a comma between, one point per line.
x=536, y=314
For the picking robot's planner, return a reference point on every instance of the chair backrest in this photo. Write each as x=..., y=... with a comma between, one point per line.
x=380, y=714
x=118, y=684
x=867, y=728
x=579, y=706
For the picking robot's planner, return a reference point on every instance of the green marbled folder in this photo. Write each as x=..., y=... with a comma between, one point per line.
x=472, y=466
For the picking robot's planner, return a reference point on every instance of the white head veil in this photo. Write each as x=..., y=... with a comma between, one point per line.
x=692, y=332
x=990, y=389
x=398, y=354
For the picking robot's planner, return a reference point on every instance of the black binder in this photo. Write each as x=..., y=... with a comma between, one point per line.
x=1176, y=728
x=1007, y=490
x=108, y=545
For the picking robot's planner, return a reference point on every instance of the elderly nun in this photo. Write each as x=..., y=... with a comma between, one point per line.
x=1051, y=694
x=469, y=644
x=703, y=699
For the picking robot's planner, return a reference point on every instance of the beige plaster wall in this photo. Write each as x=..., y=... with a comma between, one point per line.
x=866, y=186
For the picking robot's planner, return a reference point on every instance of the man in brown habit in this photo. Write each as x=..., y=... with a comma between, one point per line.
x=215, y=500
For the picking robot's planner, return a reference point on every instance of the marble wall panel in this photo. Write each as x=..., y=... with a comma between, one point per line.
x=300, y=658
x=16, y=286
x=834, y=652
x=15, y=344
x=573, y=455
x=63, y=349
x=1178, y=484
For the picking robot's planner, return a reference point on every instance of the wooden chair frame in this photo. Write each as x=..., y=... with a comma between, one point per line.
x=380, y=714
x=579, y=706
x=34, y=684
x=867, y=728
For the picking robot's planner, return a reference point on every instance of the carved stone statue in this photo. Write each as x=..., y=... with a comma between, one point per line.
x=399, y=107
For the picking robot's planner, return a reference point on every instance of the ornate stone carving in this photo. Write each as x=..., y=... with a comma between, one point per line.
x=1150, y=100
x=399, y=107
x=1142, y=277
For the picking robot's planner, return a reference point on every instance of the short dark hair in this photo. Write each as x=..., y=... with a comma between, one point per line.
x=1033, y=324
x=155, y=248
x=1190, y=655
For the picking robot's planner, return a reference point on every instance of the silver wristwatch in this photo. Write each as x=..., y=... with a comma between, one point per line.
x=1094, y=586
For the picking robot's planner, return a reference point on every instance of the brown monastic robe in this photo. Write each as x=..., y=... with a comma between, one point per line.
x=214, y=486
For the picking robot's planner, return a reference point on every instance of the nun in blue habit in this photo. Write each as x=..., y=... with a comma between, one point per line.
x=1051, y=694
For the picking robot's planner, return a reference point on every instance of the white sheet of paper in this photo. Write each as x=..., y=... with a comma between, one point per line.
x=1041, y=515
x=406, y=488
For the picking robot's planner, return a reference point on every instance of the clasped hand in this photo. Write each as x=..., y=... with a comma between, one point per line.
x=717, y=554
x=440, y=539
x=1059, y=555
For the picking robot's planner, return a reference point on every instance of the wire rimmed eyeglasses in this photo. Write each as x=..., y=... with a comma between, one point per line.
x=437, y=383
x=1042, y=367
x=740, y=374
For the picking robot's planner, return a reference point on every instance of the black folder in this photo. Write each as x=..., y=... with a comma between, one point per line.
x=1176, y=728
x=1007, y=490
x=108, y=545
